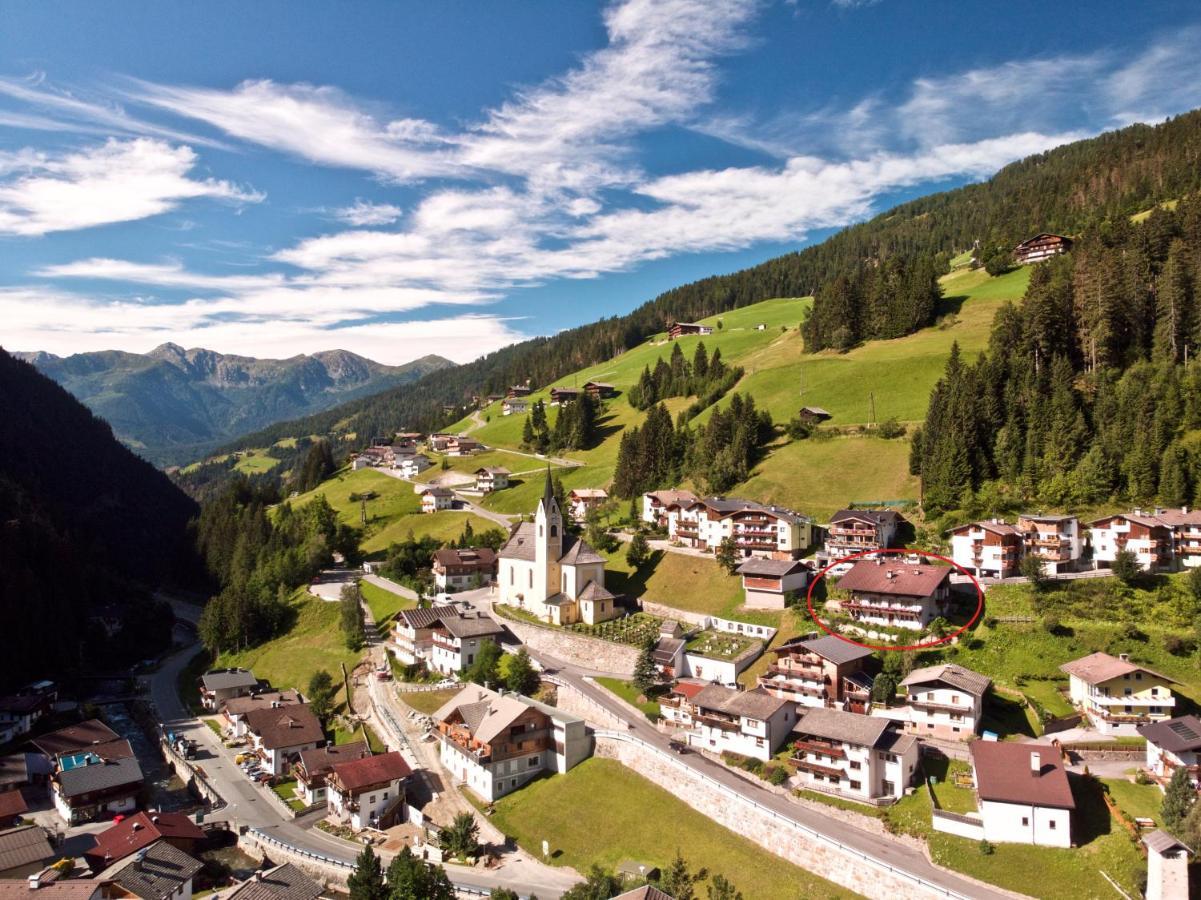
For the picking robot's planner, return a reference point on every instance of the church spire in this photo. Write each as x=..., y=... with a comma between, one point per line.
x=548, y=493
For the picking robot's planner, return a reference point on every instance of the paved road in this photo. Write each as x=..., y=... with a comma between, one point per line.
x=247, y=805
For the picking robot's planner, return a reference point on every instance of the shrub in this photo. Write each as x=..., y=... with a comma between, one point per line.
x=1051, y=623
x=1176, y=645
x=777, y=775
x=890, y=428
x=986, y=848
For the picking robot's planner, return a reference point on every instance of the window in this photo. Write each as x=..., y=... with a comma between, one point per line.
x=531, y=577
x=533, y=762
x=855, y=764
x=1025, y=821
x=385, y=797
x=1051, y=824
x=371, y=799
x=554, y=530
x=855, y=785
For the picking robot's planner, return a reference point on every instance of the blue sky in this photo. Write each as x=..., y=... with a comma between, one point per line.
x=399, y=178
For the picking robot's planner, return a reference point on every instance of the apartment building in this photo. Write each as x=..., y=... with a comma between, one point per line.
x=1148, y=538
x=989, y=549
x=1118, y=695
x=772, y=532
x=854, y=531
x=458, y=570
x=752, y=723
x=767, y=582
x=865, y=757
x=413, y=632
x=455, y=640
x=896, y=594
x=820, y=670
x=945, y=701
x=1056, y=540
x=494, y=742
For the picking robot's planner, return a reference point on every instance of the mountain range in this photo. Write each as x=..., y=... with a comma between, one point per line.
x=173, y=405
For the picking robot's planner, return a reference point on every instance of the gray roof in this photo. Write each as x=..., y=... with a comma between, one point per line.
x=728, y=506
x=100, y=776
x=827, y=646
x=836, y=725
x=593, y=591
x=23, y=846
x=285, y=882
x=577, y=551
x=1161, y=842
x=952, y=675
x=424, y=618
x=875, y=516
x=667, y=649
x=160, y=873
x=523, y=541
x=770, y=568
x=1178, y=735
x=229, y=678
x=475, y=625
x=756, y=704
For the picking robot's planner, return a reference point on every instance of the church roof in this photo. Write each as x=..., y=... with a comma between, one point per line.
x=523, y=541
x=594, y=592
x=577, y=551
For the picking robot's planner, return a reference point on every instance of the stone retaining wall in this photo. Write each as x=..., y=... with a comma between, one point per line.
x=742, y=817
x=577, y=649
x=669, y=612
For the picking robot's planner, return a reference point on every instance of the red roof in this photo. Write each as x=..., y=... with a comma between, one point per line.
x=889, y=577
x=138, y=831
x=1005, y=773
x=688, y=689
x=371, y=770
x=12, y=804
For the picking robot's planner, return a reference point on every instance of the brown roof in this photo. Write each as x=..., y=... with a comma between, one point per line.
x=668, y=498
x=1004, y=774
x=756, y=704
x=474, y=624
x=287, y=727
x=139, y=830
x=1160, y=841
x=357, y=774
x=899, y=578
x=23, y=846
x=1136, y=518
x=1098, y=667
x=424, y=618
x=237, y=706
x=321, y=760
x=646, y=892
x=1001, y=528
x=484, y=557
x=836, y=725
x=688, y=689
x=118, y=749
x=12, y=804
x=286, y=882
x=952, y=675
x=69, y=889
x=75, y=737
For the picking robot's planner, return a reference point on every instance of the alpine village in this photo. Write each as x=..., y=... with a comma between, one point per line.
x=871, y=569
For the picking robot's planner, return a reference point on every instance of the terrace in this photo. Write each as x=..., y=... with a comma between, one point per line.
x=719, y=645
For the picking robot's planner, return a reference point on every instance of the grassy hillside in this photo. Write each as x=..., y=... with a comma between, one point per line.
x=814, y=476
x=391, y=513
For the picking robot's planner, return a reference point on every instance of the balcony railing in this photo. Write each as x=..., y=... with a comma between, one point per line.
x=808, y=766
x=786, y=687
x=715, y=722
x=822, y=748
x=800, y=673
x=873, y=609
x=935, y=706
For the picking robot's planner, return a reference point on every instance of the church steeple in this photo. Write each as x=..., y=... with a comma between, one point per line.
x=549, y=522
x=548, y=492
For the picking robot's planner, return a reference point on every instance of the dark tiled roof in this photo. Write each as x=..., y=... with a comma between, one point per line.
x=667, y=649
x=69, y=889
x=12, y=804
x=593, y=592
x=577, y=551
x=1160, y=841
x=1004, y=774
x=319, y=761
x=424, y=618
x=224, y=680
x=475, y=624
x=951, y=675
x=770, y=568
x=238, y=706
x=836, y=725
x=287, y=727
x=877, y=517
x=897, y=578
x=756, y=704
x=23, y=846
x=521, y=543
x=827, y=646
x=646, y=892
x=75, y=737
x=483, y=557
x=284, y=882
x=100, y=776
x=159, y=874
x=358, y=774
x=1178, y=735
x=1098, y=667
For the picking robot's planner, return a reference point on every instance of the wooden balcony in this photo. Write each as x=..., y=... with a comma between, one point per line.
x=720, y=724
x=829, y=771
x=822, y=748
x=932, y=706
x=872, y=609
x=801, y=673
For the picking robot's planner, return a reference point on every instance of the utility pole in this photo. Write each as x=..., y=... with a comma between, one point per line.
x=363, y=510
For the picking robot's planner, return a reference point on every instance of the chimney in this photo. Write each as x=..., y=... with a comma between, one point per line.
x=1036, y=765
x=154, y=818
x=35, y=882
x=1124, y=657
x=137, y=826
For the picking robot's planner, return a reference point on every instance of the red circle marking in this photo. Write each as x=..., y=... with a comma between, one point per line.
x=923, y=646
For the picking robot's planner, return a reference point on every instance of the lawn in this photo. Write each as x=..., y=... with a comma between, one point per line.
x=1136, y=800
x=444, y=526
x=255, y=462
x=313, y=642
x=630, y=694
x=719, y=644
x=383, y=604
x=951, y=796
x=428, y=702
x=1103, y=846
x=628, y=817
x=344, y=736
x=677, y=580
x=286, y=791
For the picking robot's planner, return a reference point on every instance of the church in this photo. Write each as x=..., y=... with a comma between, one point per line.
x=552, y=574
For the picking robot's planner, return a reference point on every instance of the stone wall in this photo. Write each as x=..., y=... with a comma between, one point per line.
x=680, y=615
x=568, y=699
x=786, y=840
x=577, y=649
x=323, y=869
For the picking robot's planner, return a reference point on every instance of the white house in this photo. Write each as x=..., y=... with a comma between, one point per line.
x=945, y=701
x=580, y=500
x=278, y=735
x=1174, y=744
x=455, y=640
x=896, y=594
x=368, y=792
x=235, y=710
x=413, y=632
x=495, y=742
x=1024, y=793
x=412, y=466
x=753, y=723
x=1149, y=539
x=1056, y=540
x=219, y=685
x=989, y=549
x=435, y=499
x=514, y=406
x=491, y=478
x=854, y=531
x=95, y=788
x=755, y=529
x=713, y=655
x=865, y=757
x=1118, y=695
x=470, y=567
x=555, y=575
x=656, y=503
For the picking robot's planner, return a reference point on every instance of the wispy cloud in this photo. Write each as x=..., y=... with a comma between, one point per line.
x=362, y=213
x=117, y=181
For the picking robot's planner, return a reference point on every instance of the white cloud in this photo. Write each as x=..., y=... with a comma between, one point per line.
x=117, y=181
x=362, y=213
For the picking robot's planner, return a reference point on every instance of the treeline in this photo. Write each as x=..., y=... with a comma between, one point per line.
x=715, y=456
x=706, y=379
x=575, y=426
x=1063, y=190
x=87, y=532
x=876, y=302
x=300, y=467
x=1090, y=389
x=258, y=557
